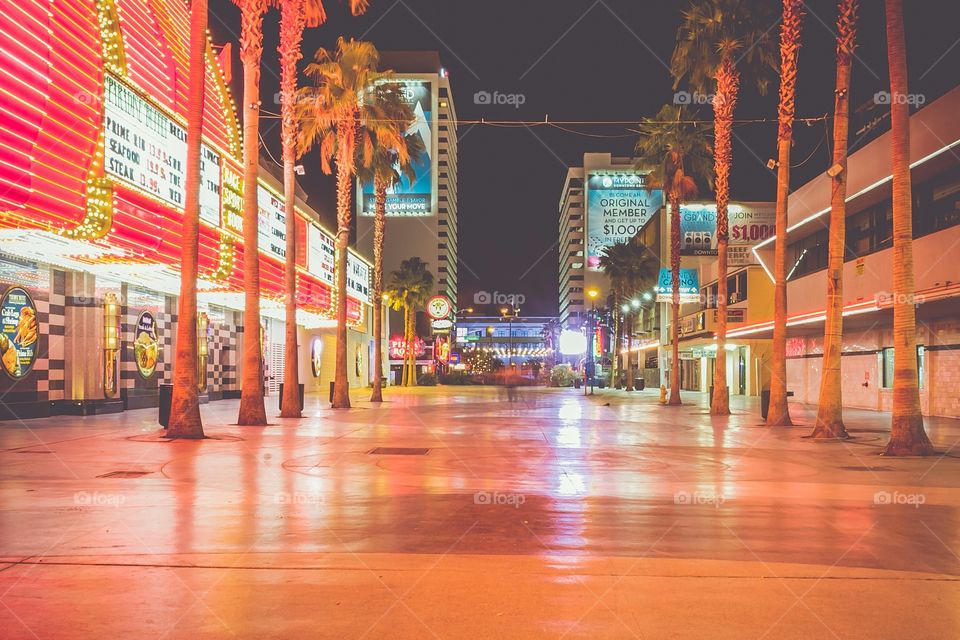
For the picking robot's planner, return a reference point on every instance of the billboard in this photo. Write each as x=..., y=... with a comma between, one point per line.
x=416, y=197
x=748, y=226
x=146, y=149
x=698, y=230
x=19, y=332
x=689, y=286
x=618, y=207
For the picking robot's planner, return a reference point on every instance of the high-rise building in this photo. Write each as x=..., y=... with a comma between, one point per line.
x=604, y=201
x=571, y=247
x=421, y=213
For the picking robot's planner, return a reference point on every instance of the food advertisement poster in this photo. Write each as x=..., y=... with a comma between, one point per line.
x=19, y=332
x=145, y=346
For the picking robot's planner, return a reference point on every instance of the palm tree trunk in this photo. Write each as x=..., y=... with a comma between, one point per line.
x=675, y=307
x=728, y=84
x=779, y=412
x=379, y=227
x=412, y=376
x=829, y=423
x=291, y=33
x=907, y=436
x=404, y=368
x=252, y=410
x=617, y=336
x=346, y=133
x=185, y=407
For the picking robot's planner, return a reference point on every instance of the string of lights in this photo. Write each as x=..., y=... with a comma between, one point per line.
x=561, y=124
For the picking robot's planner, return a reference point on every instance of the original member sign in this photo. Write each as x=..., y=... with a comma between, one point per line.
x=618, y=206
x=19, y=332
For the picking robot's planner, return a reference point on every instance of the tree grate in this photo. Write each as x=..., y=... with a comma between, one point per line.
x=125, y=474
x=399, y=451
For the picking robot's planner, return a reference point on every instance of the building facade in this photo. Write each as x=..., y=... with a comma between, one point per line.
x=571, y=248
x=604, y=201
x=867, y=357
x=94, y=147
x=514, y=341
x=749, y=297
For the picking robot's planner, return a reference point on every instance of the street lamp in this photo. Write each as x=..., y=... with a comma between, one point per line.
x=510, y=313
x=588, y=365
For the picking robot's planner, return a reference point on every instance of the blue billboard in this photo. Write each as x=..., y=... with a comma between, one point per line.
x=698, y=229
x=619, y=206
x=411, y=197
x=689, y=285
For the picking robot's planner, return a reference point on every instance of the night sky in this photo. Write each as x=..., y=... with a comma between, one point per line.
x=602, y=60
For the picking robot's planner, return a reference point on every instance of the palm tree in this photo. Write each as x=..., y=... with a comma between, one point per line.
x=332, y=115
x=252, y=410
x=790, y=42
x=716, y=39
x=628, y=265
x=551, y=338
x=295, y=15
x=185, y=406
x=829, y=423
x=907, y=436
x=385, y=167
x=677, y=151
x=409, y=289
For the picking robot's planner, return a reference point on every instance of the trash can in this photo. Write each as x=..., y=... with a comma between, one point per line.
x=166, y=399
x=280, y=402
x=711, y=395
x=576, y=383
x=639, y=384
x=764, y=402
x=331, y=390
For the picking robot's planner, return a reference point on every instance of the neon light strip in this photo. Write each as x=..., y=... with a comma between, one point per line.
x=866, y=189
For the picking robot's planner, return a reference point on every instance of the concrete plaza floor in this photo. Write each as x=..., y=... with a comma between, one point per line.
x=554, y=516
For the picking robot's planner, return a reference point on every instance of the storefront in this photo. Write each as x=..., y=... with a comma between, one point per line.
x=91, y=189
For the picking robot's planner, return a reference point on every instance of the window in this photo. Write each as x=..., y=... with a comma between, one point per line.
x=886, y=358
x=937, y=204
x=808, y=255
x=870, y=230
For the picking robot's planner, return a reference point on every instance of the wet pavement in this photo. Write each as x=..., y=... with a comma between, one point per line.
x=555, y=516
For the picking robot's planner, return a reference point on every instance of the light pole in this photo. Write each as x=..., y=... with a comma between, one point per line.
x=588, y=364
x=509, y=313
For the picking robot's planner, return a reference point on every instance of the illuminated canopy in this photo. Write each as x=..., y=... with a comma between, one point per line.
x=93, y=118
